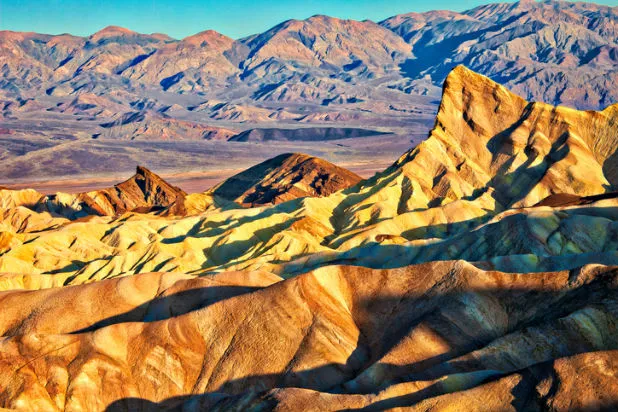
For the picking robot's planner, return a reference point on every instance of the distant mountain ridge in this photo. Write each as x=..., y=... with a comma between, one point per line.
x=554, y=51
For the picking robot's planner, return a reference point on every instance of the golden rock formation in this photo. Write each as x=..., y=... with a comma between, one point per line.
x=430, y=334
x=476, y=273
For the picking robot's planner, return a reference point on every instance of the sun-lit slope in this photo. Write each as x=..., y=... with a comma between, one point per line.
x=489, y=153
x=578, y=382
x=195, y=62
x=326, y=43
x=102, y=247
x=196, y=203
x=21, y=211
x=489, y=150
x=144, y=192
x=15, y=198
x=145, y=297
x=289, y=239
x=405, y=335
x=487, y=139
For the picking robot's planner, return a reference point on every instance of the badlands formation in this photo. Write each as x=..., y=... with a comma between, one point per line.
x=475, y=273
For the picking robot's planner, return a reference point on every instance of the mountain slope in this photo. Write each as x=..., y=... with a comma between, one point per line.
x=195, y=60
x=523, y=151
x=328, y=43
x=491, y=145
x=406, y=334
x=554, y=51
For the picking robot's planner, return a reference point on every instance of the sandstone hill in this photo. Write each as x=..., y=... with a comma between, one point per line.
x=478, y=272
x=144, y=190
x=285, y=177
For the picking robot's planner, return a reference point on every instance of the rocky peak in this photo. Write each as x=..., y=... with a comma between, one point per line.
x=111, y=31
x=285, y=177
x=489, y=140
x=153, y=190
x=143, y=192
x=209, y=38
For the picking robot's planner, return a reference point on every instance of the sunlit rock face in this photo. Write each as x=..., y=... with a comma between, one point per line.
x=424, y=335
x=488, y=139
x=478, y=272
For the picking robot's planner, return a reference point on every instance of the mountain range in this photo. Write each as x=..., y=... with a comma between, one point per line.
x=552, y=51
x=60, y=92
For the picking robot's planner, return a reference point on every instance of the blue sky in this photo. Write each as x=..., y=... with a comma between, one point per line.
x=180, y=18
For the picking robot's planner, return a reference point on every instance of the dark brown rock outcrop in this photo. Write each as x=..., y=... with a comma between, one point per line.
x=143, y=192
x=286, y=177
